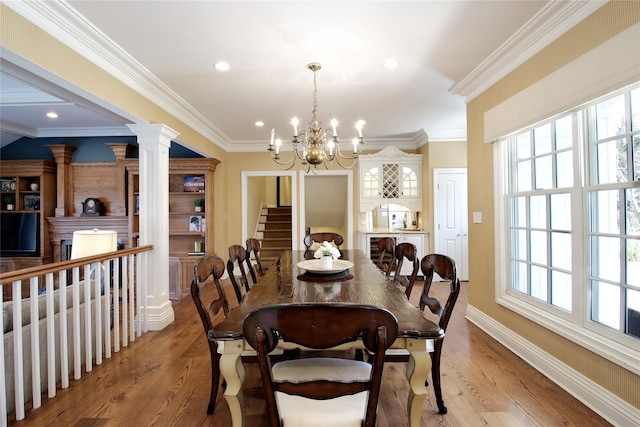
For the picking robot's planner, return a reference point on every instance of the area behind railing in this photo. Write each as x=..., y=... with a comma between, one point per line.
x=60, y=317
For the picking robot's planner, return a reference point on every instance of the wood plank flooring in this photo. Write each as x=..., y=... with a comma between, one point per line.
x=163, y=379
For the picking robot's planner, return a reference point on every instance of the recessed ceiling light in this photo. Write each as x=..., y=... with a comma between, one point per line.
x=221, y=66
x=52, y=115
x=390, y=63
x=259, y=123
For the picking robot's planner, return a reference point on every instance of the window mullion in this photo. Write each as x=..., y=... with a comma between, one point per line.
x=549, y=249
x=623, y=256
x=528, y=259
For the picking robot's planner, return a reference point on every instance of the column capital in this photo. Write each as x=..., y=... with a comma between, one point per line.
x=148, y=133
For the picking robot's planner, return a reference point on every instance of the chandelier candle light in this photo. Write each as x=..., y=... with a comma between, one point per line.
x=316, y=145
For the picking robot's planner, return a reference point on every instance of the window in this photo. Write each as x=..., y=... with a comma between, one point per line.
x=409, y=182
x=613, y=200
x=540, y=212
x=571, y=228
x=370, y=183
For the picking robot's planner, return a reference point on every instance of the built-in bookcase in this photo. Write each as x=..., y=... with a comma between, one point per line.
x=28, y=187
x=190, y=228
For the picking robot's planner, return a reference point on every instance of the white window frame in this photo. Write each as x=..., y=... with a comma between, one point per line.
x=575, y=325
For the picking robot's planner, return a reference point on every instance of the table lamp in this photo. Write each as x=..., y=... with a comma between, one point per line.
x=93, y=242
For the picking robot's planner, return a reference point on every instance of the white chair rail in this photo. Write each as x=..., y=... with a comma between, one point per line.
x=60, y=317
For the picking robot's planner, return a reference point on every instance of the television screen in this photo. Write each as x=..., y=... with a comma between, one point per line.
x=19, y=234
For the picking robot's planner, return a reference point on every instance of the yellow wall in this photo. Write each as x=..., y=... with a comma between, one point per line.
x=256, y=194
x=608, y=21
x=232, y=193
x=435, y=155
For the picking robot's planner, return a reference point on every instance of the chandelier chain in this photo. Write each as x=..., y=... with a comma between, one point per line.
x=315, y=97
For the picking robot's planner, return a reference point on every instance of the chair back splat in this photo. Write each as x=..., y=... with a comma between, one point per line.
x=406, y=252
x=204, y=267
x=386, y=255
x=253, y=247
x=312, y=238
x=238, y=256
x=299, y=389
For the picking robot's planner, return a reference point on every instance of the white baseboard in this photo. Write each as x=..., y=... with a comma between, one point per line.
x=606, y=404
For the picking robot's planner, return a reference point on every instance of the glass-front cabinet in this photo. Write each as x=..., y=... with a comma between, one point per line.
x=390, y=176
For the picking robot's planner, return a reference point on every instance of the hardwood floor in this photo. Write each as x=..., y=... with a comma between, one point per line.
x=163, y=379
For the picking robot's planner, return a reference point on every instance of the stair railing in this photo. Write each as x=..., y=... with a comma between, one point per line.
x=66, y=315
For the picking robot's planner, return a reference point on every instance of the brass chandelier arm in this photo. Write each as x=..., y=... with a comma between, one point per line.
x=355, y=155
x=353, y=161
x=276, y=158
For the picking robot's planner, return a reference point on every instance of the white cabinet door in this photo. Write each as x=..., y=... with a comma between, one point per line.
x=410, y=181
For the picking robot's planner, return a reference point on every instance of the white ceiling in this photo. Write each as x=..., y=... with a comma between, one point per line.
x=447, y=51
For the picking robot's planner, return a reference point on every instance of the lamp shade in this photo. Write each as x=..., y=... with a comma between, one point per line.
x=93, y=242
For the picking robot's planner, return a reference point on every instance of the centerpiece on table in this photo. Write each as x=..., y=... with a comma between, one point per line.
x=326, y=252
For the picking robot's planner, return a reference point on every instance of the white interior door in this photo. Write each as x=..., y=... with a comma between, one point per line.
x=450, y=213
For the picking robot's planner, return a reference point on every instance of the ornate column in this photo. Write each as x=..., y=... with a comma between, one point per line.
x=120, y=151
x=64, y=178
x=154, y=141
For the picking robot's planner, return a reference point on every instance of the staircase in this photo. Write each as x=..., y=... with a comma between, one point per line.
x=274, y=233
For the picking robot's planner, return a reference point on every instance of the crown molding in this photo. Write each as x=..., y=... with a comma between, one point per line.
x=64, y=132
x=16, y=129
x=83, y=132
x=411, y=142
x=554, y=19
x=64, y=23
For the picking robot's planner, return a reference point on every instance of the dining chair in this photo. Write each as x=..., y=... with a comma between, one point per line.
x=406, y=251
x=238, y=255
x=386, y=255
x=321, y=391
x=312, y=238
x=213, y=314
x=445, y=267
x=253, y=247
x=204, y=267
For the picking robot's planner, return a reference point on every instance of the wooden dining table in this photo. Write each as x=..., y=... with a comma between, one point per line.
x=286, y=282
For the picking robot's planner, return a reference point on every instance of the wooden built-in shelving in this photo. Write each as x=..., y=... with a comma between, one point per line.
x=32, y=185
x=182, y=241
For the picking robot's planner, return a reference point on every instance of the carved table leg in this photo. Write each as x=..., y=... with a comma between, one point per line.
x=418, y=370
x=232, y=371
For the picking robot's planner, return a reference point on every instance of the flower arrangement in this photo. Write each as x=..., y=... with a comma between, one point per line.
x=327, y=249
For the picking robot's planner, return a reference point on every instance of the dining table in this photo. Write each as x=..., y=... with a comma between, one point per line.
x=354, y=278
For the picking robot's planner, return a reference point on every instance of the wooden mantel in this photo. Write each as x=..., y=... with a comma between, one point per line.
x=62, y=228
x=75, y=182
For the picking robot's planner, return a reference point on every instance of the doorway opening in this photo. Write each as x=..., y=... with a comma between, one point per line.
x=261, y=189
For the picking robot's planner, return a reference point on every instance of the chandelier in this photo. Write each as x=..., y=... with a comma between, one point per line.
x=316, y=145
